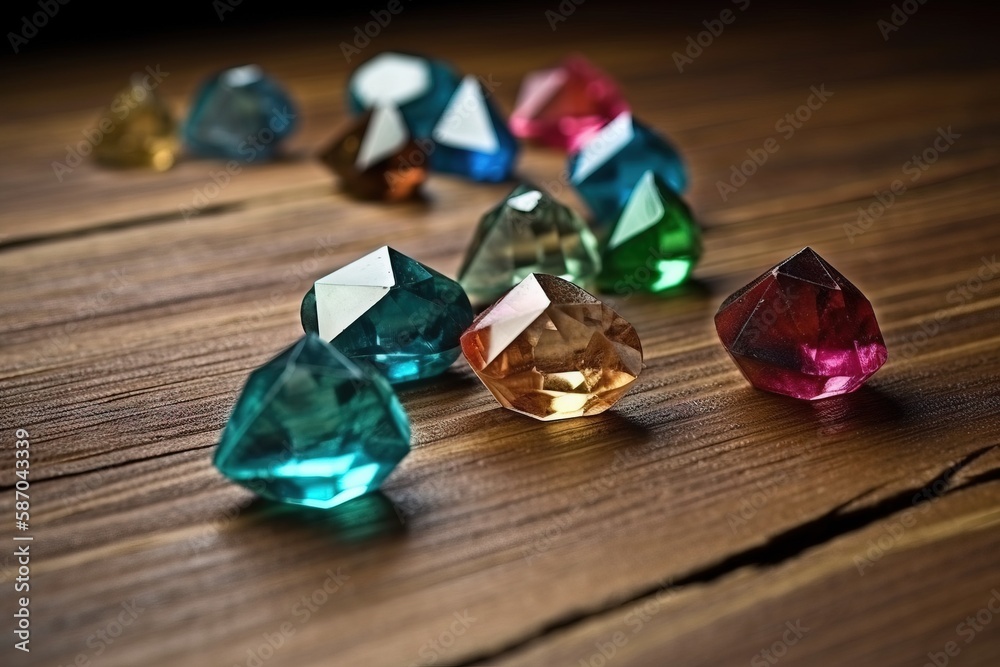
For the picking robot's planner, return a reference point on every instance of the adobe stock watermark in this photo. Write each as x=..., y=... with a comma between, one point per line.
x=431, y=651
x=898, y=17
x=363, y=35
x=30, y=25
x=102, y=640
x=562, y=12
x=634, y=621
x=793, y=634
x=249, y=148
x=786, y=127
x=696, y=44
x=967, y=631
x=143, y=84
x=914, y=168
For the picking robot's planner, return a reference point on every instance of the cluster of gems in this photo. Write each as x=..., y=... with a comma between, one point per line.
x=320, y=423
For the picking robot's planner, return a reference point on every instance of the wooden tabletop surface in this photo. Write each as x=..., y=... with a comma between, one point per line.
x=699, y=522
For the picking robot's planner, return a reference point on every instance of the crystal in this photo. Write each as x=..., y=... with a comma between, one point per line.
x=609, y=164
x=239, y=114
x=471, y=139
x=392, y=312
x=137, y=129
x=655, y=243
x=375, y=157
x=550, y=350
x=564, y=105
x=311, y=427
x=528, y=232
x=802, y=330
x=418, y=86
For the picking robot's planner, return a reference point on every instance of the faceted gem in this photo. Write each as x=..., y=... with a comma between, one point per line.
x=418, y=86
x=137, y=129
x=471, y=138
x=655, y=243
x=528, y=232
x=240, y=114
x=550, y=350
x=802, y=330
x=392, y=312
x=565, y=105
x=609, y=164
x=311, y=427
x=375, y=157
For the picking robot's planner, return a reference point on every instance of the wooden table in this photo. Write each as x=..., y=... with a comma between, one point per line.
x=700, y=522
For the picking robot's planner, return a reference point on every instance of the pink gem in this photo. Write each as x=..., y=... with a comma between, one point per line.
x=802, y=330
x=563, y=106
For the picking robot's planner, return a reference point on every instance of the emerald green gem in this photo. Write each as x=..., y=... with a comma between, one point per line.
x=311, y=427
x=528, y=232
x=390, y=311
x=655, y=243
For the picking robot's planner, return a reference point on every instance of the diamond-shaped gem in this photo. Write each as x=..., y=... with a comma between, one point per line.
x=565, y=105
x=802, y=330
x=418, y=86
x=239, y=114
x=550, y=350
x=375, y=157
x=528, y=232
x=655, y=243
x=471, y=138
x=392, y=312
x=313, y=428
x=609, y=164
x=137, y=129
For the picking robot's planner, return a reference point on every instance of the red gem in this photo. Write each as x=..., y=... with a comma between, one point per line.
x=564, y=106
x=802, y=330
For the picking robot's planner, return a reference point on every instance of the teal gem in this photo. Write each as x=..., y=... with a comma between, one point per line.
x=239, y=114
x=313, y=428
x=419, y=87
x=392, y=312
x=610, y=163
x=528, y=232
x=655, y=243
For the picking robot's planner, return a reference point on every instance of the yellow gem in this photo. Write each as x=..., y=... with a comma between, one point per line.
x=136, y=130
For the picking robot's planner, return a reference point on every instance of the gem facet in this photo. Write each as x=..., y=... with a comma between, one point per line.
x=609, y=164
x=138, y=130
x=655, y=243
x=563, y=106
x=418, y=86
x=802, y=330
x=551, y=351
x=392, y=312
x=239, y=114
x=471, y=139
x=374, y=157
x=528, y=232
x=313, y=428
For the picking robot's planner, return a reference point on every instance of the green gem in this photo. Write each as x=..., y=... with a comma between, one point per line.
x=655, y=243
x=529, y=232
x=392, y=312
x=313, y=428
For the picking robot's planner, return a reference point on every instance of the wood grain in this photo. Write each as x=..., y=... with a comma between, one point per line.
x=696, y=519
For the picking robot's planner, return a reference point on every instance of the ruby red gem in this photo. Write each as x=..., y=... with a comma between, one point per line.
x=565, y=105
x=802, y=330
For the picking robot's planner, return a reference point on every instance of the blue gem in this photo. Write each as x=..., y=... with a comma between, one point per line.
x=612, y=161
x=471, y=138
x=239, y=114
x=313, y=428
x=419, y=87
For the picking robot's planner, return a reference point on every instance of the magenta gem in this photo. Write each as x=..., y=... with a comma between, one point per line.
x=802, y=330
x=563, y=106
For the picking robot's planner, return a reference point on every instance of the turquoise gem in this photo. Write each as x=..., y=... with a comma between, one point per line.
x=311, y=427
x=472, y=139
x=613, y=160
x=419, y=87
x=239, y=114
x=392, y=312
